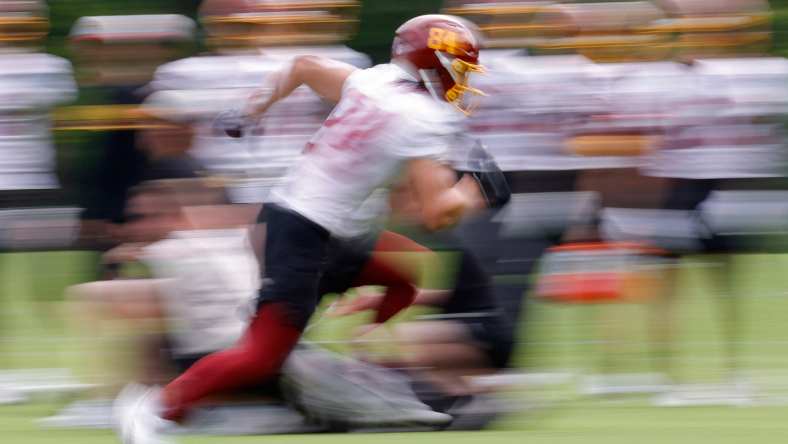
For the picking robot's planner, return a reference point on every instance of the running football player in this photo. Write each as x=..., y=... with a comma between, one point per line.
x=392, y=119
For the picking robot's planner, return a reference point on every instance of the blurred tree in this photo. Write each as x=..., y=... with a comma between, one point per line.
x=780, y=26
x=380, y=18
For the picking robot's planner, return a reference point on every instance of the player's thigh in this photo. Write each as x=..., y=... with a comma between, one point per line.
x=296, y=250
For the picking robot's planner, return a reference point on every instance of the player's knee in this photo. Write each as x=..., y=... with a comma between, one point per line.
x=306, y=63
x=294, y=311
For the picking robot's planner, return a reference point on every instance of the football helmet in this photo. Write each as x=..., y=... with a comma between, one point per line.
x=23, y=22
x=443, y=52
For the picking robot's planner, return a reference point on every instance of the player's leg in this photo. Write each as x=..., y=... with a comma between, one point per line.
x=294, y=253
x=472, y=337
x=384, y=266
x=400, y=276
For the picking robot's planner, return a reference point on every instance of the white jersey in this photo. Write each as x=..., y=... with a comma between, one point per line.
x=260, y=159
x=380, y=123
x=31, y=84
x=730, y=125
x=211, y=277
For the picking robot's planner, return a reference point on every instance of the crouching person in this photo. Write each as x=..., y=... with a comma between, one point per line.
x=201, y=272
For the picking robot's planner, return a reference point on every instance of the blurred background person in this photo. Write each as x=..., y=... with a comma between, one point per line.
x=120, y=147
x=247, y=40
x=35, y=211
x=568, y=129
x=164, y=134
x=203, y=273
x=725, y=146
x=591, y=95
x=630, y=84
x=116, y=57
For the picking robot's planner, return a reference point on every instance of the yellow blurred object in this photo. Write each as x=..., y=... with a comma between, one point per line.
x=23, y=22
x=624, y=31
x=603, y=32
x=719, y=28
x=504, y=24
x=101, y=118
x=612, y=144
x=255, y=23
x=23, y=29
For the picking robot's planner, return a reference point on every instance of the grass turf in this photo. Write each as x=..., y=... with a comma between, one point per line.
x=557, y=338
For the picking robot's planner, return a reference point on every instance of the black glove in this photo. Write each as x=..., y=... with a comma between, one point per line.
x=231, y=122
x=481, y=165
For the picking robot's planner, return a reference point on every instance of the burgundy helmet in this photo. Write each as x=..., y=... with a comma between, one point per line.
x=443, y=50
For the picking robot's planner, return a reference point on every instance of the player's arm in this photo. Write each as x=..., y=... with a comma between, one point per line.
x=324, y=76
x=442, y=199
x=372, y=300
x=431, y=297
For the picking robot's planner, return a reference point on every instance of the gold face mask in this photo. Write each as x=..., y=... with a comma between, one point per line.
x=462, y=95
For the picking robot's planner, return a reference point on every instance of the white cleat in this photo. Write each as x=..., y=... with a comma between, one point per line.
x=136, y=416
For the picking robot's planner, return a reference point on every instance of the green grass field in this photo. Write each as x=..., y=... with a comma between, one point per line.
x=557, y=338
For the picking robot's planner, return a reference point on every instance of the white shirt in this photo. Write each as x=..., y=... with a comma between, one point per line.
x=381, y=122
x=728, y=124
x=31, y=84
x=211, y=278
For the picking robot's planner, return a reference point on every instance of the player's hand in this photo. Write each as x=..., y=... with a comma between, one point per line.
x=470, y=188
x=237, y=122
x=362, y=302
x=230, y=122
x=128, y=252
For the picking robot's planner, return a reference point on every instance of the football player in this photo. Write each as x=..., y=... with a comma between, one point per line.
x=393, y=118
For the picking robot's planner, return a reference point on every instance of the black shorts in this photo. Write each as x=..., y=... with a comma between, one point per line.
x=296, y=251
x=346, y=259
x=303, y=262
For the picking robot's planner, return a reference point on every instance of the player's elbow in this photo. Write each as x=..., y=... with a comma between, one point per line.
x=307, y=63
x=303, y=67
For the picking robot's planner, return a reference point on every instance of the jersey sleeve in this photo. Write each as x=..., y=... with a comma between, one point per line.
x=354, y=80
